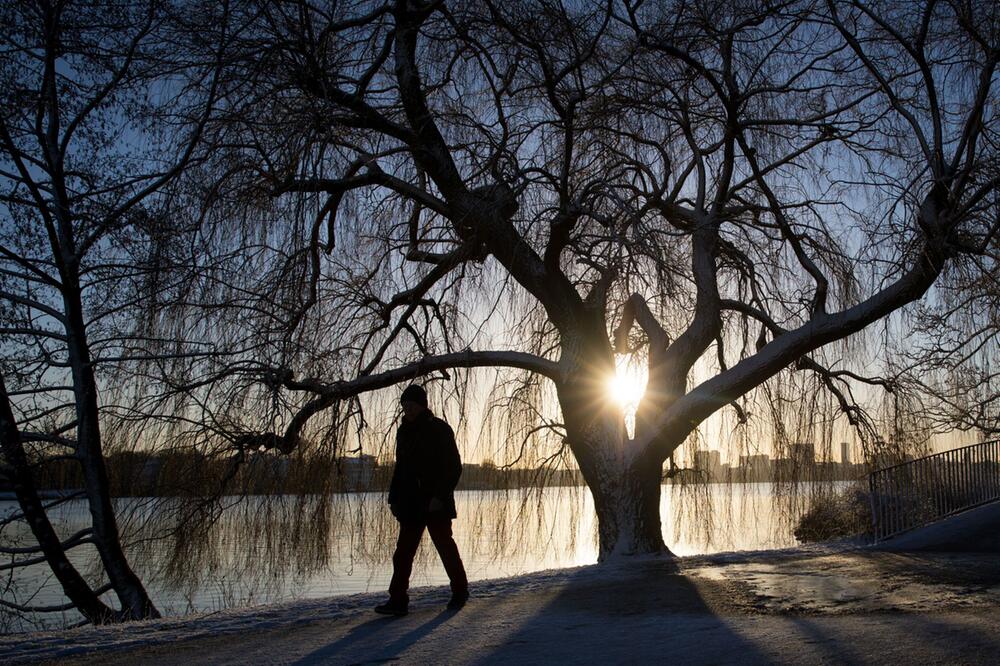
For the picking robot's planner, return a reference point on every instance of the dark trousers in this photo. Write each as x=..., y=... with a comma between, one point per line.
x=410, y=533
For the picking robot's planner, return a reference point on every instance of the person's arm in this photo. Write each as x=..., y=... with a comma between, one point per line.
x=394, y=484
x=447, y=465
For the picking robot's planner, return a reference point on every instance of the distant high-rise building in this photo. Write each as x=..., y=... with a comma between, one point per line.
x=707, y=459
x=845, y=453
x=755, y=467
x=755, y=460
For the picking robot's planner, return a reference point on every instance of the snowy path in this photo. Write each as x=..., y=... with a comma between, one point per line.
x=805, y=607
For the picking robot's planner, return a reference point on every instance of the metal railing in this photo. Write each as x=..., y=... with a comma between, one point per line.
x=920, y=491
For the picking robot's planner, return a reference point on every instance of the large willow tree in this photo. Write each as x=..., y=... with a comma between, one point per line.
x=224, y=231
x=719, y=189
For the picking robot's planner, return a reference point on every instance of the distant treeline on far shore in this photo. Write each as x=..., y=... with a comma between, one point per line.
x=185, y=473
x=189, y=473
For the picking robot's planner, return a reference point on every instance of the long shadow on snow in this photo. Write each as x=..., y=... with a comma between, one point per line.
x=372, y=632
x=626, y=612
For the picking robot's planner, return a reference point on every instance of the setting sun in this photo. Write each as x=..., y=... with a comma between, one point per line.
x=627, y=386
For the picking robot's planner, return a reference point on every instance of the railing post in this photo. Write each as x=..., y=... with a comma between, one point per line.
x=995, y=466
x=874, y=506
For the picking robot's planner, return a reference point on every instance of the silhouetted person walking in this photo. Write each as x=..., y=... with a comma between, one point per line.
x=422, y=495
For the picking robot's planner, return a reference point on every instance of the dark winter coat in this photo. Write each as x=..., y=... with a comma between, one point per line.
x=427, y=466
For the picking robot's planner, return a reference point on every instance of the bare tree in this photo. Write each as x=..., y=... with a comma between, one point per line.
x=86, y=240
x=730, y=193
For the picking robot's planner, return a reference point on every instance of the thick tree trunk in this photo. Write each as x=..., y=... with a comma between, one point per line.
x=628, y=512
x=625, y=486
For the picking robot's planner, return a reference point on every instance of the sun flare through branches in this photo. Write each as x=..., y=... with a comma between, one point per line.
x=626, y=387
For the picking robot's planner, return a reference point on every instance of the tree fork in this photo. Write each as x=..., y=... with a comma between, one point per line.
x=625, y=486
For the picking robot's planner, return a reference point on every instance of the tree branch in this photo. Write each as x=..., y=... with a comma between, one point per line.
x=636, y=310
x=684, y=414
x=330, y=394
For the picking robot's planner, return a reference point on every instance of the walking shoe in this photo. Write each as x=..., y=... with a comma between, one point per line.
x=458, y=600
x=395, y=608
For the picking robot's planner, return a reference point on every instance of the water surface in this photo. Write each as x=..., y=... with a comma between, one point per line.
x=261, y=550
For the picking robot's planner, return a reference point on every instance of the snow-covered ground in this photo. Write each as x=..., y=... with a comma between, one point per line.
x=823, y=604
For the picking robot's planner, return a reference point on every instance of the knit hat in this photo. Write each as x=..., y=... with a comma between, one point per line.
x=414, y=393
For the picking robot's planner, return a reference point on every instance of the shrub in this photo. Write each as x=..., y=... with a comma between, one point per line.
x=835, y=516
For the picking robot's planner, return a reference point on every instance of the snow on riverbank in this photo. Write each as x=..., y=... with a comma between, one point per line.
x=819, y=604
x=288, y=615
